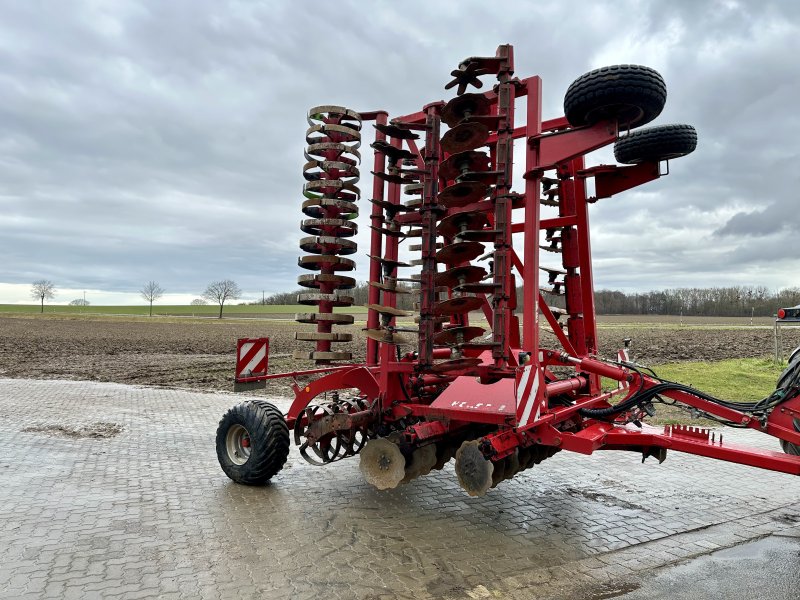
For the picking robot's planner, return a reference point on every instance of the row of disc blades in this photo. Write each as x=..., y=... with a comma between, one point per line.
x=331, y=190
x=468, y=171
x=333, y=147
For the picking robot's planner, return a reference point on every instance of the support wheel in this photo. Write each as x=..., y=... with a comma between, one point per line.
x=630, y=94
x=252, y=442
x=656, y=144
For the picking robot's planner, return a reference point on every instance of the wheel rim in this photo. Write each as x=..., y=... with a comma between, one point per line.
x=238, y=445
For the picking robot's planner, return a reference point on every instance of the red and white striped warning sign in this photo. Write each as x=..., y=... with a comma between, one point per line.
x=527, y=395
x=251, y=357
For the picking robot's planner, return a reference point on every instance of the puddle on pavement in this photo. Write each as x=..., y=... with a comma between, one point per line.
x=766, y=568
x=755, y=550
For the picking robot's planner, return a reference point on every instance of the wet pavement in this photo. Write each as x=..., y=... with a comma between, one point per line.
x=114, y=491
x=766, y=568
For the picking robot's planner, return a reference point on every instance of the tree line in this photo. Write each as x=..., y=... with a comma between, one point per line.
x=733, y=301
x=360, y=295
x=216, y=291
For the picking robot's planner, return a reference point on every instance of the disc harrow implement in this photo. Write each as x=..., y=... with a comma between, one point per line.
x=487, y=257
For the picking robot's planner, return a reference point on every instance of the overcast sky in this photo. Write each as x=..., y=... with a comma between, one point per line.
x=161, y=140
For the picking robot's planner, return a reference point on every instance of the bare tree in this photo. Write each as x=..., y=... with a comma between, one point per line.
x=79, y=302
x=151, y=292
x=220, y=291
x=198, y=302
x=43, y=289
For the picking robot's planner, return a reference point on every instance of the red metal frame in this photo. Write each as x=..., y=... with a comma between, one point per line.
x=512, y=391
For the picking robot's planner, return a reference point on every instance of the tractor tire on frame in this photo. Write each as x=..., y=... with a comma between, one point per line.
x=788, y=374
x=656, y=144
x=790, y=370
x=795, y=353
x=252, y=442
x=632, y=95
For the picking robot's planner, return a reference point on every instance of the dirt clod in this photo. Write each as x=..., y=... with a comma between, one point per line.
x=95, y=430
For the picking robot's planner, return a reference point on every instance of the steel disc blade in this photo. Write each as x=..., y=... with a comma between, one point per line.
x=389, y=262
x=392, y=152
x=386, y=337
x=463, y=193
x=491, y=122
x=458, y=306
x=388, y=310
x=469, y=161
x=459, y=275
x=465, y=136
x=464, y=105
x=477, y=288
x=454, y=224
x=396, y=131
x=474, y=472
x=422, y=461
x=459, y=252
x=553, y=272
x=457, y=335
x=479, y=235
x=390, y=206
x=389, y=288
x=382, y=464
x=390, y=177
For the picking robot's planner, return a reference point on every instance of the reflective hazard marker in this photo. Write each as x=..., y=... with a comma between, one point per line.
x=251, y=363
x=528, y=396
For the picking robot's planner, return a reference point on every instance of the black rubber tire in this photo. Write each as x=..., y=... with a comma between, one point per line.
x=790, y=448
x=795, y=353
x=655, y=144
x=632, y=95
x=269, y=442
x=788, y=373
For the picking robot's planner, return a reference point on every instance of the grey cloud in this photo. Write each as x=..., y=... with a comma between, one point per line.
x=760, y=223
x=163, y=140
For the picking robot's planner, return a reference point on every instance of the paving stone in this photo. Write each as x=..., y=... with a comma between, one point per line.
x=148, y=512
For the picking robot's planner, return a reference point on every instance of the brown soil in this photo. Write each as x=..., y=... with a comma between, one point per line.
x=200, y=354
x=95, y=430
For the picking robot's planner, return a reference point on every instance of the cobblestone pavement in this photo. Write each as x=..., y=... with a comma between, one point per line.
x=115, y=491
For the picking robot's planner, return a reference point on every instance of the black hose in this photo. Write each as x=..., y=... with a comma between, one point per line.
x=632, y=401
x=638, y=398
x=403, y=387
x=641, y=397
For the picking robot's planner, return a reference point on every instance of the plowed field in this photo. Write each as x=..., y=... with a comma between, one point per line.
x=199, y=354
